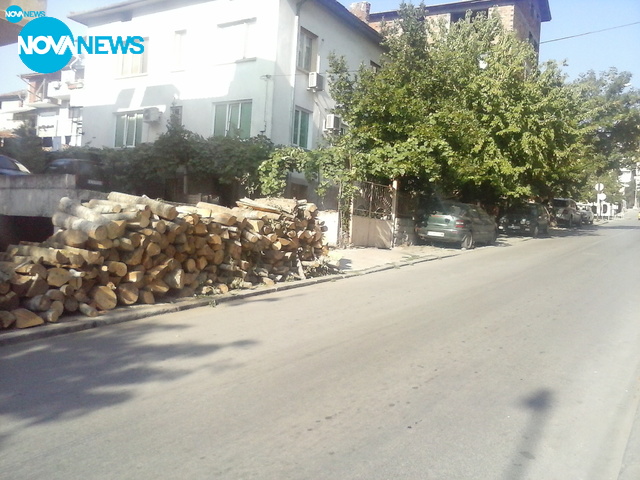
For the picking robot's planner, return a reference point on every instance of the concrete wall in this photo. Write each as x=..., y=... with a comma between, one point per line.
x=38, y=195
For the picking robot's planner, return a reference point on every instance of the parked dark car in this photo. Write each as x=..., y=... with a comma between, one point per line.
x=11, y=166
x=566, y=212
x=89, y=174
x=525, y=219
x=457, y=223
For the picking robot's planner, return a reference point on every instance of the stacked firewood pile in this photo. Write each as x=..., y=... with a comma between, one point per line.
x=129, y=249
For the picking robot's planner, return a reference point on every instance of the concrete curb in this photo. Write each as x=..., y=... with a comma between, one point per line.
x=78, y=323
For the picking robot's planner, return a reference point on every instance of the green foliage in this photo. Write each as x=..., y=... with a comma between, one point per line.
x=148, y=168
x=26, y=147
x=466, y=107
x=273, y=172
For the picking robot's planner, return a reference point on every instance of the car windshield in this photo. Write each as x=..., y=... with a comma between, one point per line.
x=560, y=202
x=522, y=209
x=8, y=163
x=447, y=208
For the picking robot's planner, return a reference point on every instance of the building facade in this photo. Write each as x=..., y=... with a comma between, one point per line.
x=225, y=67
x=524, y=17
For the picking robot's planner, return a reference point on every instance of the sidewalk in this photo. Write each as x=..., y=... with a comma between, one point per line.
x=351, y=262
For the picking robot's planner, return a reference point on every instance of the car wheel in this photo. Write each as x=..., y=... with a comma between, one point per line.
x=535, y=231
x=467, y=242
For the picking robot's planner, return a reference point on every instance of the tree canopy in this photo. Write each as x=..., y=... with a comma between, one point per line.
x=467, y=108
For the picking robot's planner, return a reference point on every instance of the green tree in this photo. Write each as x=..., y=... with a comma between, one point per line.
x=26, y=147
x=462, y=106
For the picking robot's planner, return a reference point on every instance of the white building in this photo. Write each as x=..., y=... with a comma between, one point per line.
x=228, y=67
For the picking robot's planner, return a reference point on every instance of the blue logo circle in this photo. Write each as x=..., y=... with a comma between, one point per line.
x=42, y=45
x=13, y=14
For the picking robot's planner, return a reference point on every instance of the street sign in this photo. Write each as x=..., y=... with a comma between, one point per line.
x=599, y=187
x=601, y=196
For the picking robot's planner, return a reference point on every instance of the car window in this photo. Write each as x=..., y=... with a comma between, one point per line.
x=560, y=202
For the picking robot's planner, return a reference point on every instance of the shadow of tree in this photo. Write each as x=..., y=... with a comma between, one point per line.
x=74, y=375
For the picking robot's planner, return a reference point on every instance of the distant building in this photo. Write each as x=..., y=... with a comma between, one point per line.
x=521, y=16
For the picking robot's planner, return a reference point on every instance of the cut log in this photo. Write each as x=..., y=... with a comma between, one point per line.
x=175, y=278
x=39, y=303
x=71, y=304
x=72, y=238
x=88, y=310
x=161, y=209
x=58, y=277
x=38, y=286
x=53, y=313
x=93, y=230
x=9, y=301
x=118, y=269
x=146, y=297
x=48, y=255
x=104, y=297
x=127, y=293
x=7, y=319
x=26, y=318
x=55, y=294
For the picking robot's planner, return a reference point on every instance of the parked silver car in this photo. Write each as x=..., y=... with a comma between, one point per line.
x=458, y=223
x=587, y=213
x=565, y=211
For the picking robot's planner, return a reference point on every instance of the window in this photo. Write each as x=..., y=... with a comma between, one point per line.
x=133, y=63
x=129, y=129
x=375, y=68
x=301, y=128
x=238, y=40
x=232, y=119
x=175, y=111
x=459, y=16
x=306, y=43
x=179, y=49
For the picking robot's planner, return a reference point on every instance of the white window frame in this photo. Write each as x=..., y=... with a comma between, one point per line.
x=233, y=123
x=301, y=136
x=179, y=50
x=241, y=31
x=306, y=50
x=133, y=64
x=131, y=124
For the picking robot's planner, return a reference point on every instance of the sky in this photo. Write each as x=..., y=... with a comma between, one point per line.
x=618, y=46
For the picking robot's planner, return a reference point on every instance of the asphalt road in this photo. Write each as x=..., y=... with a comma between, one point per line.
x=512, y=362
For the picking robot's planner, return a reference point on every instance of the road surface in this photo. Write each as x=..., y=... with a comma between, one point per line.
x=510, y=362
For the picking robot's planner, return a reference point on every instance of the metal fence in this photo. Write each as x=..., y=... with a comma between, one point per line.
x=373, y=201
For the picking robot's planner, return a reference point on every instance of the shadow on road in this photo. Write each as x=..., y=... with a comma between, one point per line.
x=78, y=374
x=539, y=404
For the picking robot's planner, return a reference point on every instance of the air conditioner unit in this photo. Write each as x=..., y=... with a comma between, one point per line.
x=151, y=114
x=332, y=122
x=316, y=82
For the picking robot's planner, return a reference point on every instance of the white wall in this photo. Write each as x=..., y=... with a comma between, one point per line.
x=209, y=73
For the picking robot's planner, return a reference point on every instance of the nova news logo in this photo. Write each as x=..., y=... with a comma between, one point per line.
x=14, y=14
x=46, y=44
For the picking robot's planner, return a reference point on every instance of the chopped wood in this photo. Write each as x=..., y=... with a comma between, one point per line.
x=26, y=318
x=104, y=297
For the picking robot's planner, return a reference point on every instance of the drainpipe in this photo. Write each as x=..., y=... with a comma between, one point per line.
x=294, y=63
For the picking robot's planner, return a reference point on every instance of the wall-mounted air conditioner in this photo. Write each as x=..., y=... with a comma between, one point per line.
x=151, y=114
x=333, y=122
x=316, y=82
